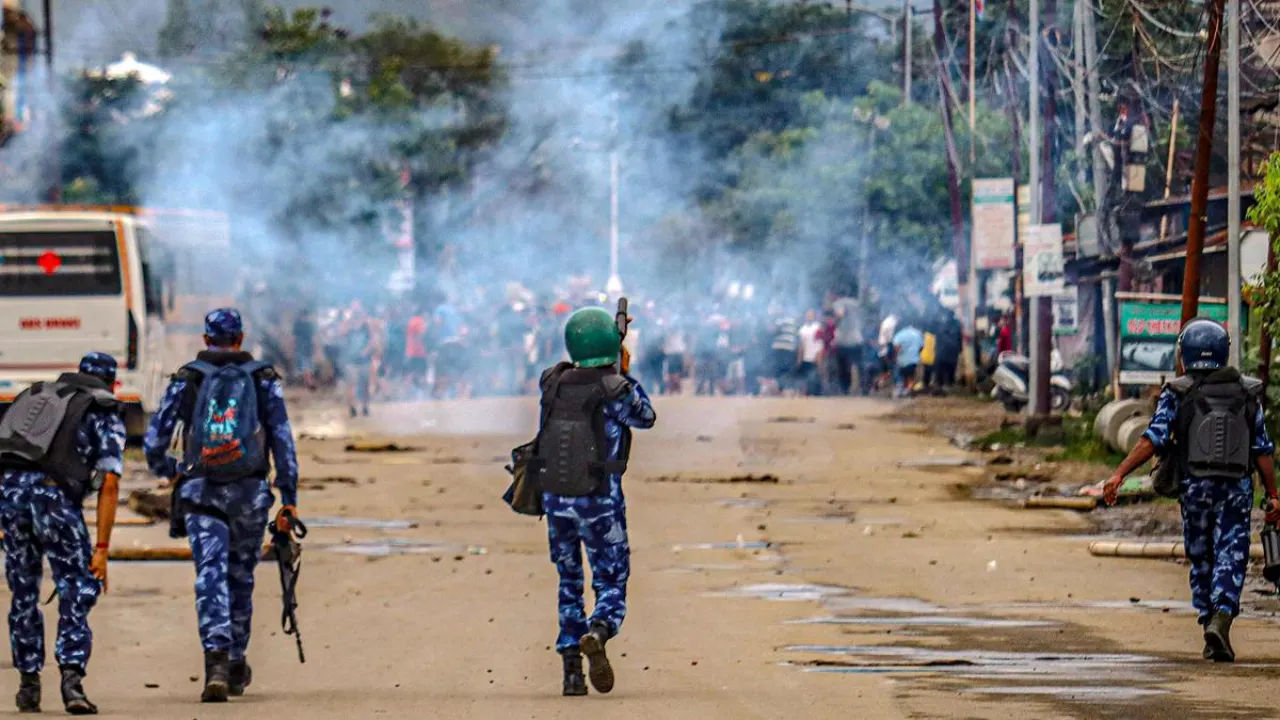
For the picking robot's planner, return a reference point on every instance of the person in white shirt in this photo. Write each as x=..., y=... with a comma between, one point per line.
x=888, y=360
x=809, y=353
x=675, y=349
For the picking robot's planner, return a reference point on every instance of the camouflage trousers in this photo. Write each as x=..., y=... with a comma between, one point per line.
x=40, y=522
x=1215, y=526
x=599, y=524
x=225, y=555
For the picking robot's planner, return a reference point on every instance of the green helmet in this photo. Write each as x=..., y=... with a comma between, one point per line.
x=592, y=338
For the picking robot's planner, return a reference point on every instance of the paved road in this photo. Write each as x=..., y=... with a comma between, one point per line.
x=931, y=606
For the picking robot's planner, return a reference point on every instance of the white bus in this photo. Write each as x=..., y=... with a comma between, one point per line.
x=130, y=282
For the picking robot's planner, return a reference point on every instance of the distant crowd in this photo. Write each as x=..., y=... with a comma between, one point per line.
x=846, y=345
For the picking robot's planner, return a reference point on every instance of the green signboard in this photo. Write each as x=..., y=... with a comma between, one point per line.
x=1149, y=326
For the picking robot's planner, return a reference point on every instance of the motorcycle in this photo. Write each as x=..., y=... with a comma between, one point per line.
x=1012, y=378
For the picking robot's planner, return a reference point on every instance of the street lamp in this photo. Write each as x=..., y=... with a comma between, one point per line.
x=614, y=284
x=876, y=122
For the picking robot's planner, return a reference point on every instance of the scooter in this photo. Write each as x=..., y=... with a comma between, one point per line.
x=1012, y=377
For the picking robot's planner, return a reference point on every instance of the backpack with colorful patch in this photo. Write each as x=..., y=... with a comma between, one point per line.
x=225, y=437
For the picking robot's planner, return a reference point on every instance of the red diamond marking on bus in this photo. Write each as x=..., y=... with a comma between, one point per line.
x=49, y=262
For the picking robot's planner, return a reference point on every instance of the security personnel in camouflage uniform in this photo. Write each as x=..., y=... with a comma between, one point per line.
x=1210, y=422
x=225, y=521
x=584, y=438
x=40, y=512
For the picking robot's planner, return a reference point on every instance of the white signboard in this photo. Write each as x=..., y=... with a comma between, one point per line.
x=1066, y=313
x=993, y=224
x=1042, y=265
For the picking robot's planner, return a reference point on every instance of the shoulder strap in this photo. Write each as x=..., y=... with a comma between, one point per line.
x=616, y=386
x=255, y=367
x=551, y=382
x=610, y=389
x=200, y=367
x=1252, y=385
x=1181, y=385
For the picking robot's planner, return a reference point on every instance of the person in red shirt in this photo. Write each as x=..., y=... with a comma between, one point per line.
x=415, y=351
x=1004, y=335
x=827, y=364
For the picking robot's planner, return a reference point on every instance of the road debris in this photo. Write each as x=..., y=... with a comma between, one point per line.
x=378, y=448
x=766, y=479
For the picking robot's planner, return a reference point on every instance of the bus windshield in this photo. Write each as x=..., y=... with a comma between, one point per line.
x=59, y=264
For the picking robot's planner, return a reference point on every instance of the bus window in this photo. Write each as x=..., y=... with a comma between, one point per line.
x=59, y=264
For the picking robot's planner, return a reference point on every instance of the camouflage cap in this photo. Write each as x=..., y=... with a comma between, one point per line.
x=99, y=365
x=223, y=325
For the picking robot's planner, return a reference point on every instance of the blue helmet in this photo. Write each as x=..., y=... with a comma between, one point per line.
x=99, y=365
x=223, y=326
x=1203, y=344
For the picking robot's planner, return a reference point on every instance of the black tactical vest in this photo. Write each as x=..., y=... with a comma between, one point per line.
x=1215, y=423
x=39, y=430
x=572, y=449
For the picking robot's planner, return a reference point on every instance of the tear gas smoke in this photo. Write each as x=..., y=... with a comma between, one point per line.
x=580, y=79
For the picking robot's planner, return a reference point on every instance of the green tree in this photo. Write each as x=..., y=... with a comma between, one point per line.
x=871, y=171
x=764, y=62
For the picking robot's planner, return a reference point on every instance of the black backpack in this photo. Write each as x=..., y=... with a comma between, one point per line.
x=571, y=450
x=39, y=430
x=1214, y=429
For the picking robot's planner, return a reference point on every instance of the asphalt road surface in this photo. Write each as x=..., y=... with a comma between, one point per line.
x=850, y=587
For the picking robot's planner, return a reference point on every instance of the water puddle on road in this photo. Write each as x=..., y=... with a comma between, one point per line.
x=905, y=606
x=781, y=591
x=753, y=545
x=938, y=462
x=955, y=621
x=913, y=606
x=345, y=522
x=402, y=546
x=1101, y=676
x=744, y=503
x=1070, y=693
x=832, y=519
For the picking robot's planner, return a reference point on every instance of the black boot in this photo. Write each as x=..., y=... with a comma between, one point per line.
x=574, y=682
x=1217, y=638
x=73, y=697
x=600, y=671
x=241, y=676
x=28, y=697
x=217, y=672
x=1207, y=654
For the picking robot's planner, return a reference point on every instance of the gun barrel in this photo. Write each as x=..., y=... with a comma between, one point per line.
x=620, y=318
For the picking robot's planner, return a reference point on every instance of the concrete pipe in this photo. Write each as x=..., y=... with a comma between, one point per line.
x=1140, y=549
x=1112, y=416
x=1130, y=432
x=124, y=522
x=160, y=554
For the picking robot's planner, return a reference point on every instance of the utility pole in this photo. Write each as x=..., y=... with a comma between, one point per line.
x=1233, y=180
x=614, y=285
x=973, y=102
x=1047, y=209
x=1204, y=153
x=55, y=190
x=970, y=353
x=1077, y=77
x=1101, y=176
x=1264, y=333
x=1039, y=373
x=906, y=53
x=953, y=179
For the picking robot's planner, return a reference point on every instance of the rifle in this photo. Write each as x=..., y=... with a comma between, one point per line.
x=289, y=557
x=620, y=318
